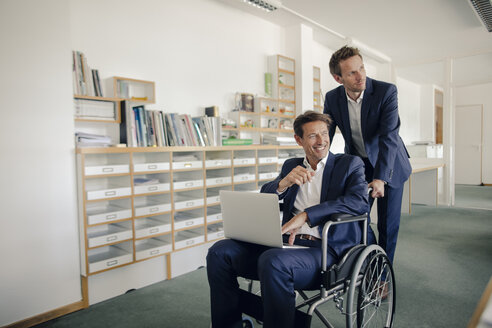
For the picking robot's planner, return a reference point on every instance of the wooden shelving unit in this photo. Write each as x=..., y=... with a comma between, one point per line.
x=134, y=90
x=139, y=203
x=283, y=82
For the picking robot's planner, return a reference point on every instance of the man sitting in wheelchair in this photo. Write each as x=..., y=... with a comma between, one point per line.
x=313, y=189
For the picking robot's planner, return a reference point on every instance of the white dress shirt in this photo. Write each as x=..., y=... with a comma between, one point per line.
x=354, y=109
x=309, y=194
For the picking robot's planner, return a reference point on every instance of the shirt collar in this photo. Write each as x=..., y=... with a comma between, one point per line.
x=322, y=162
x=358, y=101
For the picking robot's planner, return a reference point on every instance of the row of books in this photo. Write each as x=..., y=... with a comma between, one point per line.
x=86, y=81
x=142, y=127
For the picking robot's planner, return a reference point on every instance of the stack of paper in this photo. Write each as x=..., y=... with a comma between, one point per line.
x=92, y=140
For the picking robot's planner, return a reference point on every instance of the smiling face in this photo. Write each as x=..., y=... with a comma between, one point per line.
x=315, y=141
x=353, y=75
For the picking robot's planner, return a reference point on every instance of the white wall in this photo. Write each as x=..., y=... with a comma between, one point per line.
x=480, y=95
x=198, y=52
x=409, y=108
x=38, y=224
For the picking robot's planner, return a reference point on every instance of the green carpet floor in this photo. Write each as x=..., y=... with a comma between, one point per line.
x=442, y=265
x=473, y=196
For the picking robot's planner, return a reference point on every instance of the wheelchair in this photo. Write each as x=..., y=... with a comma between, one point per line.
x=361, y=284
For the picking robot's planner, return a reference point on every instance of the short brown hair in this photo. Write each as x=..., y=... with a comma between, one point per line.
x=340, y=55
x=310, y=116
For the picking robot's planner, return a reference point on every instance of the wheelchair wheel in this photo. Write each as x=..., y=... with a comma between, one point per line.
x=358, y=288
x=376, y=293
x=247, y=322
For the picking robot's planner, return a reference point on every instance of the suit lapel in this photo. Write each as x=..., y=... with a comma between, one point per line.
x=330, y=163
x=366, y=106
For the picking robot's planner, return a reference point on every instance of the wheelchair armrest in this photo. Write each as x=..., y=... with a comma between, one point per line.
x=336, y=219
x=343, y=217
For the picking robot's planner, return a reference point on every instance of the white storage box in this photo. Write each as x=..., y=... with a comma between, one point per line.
x=187, y=165
x=115, y=191
x=151, y=207
x=182, y=202
x=217, y=163
x=215, y=233
x=143, y=189
x=187, y=238
x=213, y=217
x=152, y=247
x=187, y=220
x=150, y=167
x=213, y=199
x=107, y=169
x=244, y=161
x=218, y=181
x=187, y=184
x=107, y=213
x=108, y=257
x=146, y=227
x=244, y=177
x=267, y=175
x=109, y=234
x=267, y=160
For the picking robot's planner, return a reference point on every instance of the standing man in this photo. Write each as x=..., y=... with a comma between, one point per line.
x=366, y=111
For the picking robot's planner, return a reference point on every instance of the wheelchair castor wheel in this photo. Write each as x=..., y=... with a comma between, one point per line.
x=247, y=323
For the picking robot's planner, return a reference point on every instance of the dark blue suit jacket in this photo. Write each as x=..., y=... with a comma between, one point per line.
x=343, y=190
x=380, y=124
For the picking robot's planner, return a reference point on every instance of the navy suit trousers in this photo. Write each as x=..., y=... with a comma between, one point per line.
x=280, y=272
x=389, y=213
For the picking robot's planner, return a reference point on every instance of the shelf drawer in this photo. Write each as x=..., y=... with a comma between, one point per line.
x=144, y=189
x=109, y=193
x=152, y=247
x=212, y=235
x=213, y=199
x=188, y=184
x=107, y=214
x=214, y=217
x=150, y=167
x=267, y=160
x=152, y=209
x=244, y=177
x=107, y=258
x=218, y=181
x=188, y=203
x=106, y=169
x=185, y=220
x=187, y=238
x=217, y=163
x=150, y=227
x=113, y=233
x=267, y=175
x=187, y=165
x=244, y=161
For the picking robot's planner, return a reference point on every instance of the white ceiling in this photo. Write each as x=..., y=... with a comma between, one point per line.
x=417, y=35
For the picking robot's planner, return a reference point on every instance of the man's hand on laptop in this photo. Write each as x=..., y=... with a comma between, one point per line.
x=293, y=226
x=299, y=175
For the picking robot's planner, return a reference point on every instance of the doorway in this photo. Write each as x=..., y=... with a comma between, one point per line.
x=438, y=104
x=468, y=143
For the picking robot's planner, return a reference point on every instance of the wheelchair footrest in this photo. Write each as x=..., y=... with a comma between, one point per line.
x=252, y=306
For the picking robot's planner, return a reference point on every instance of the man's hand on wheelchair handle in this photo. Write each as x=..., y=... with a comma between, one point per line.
x=377, y=188
x=293, y=226
x=299, y=175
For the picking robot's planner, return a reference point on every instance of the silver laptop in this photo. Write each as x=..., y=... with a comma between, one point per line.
x=252, y=217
